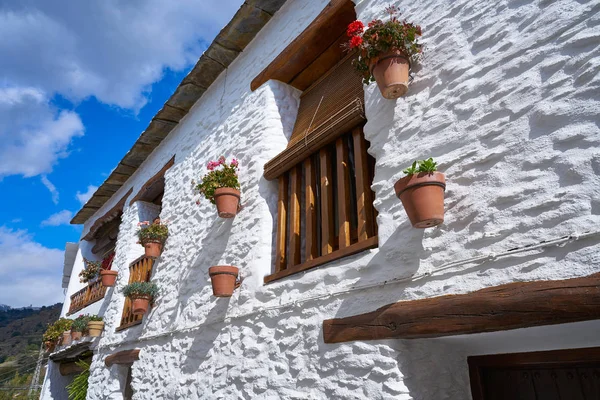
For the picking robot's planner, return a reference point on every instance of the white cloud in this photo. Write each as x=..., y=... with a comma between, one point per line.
x=50, y=186
x=113, y=50
x=85, y=196
x=33, y=135
x=31, y=273
x=60, y=218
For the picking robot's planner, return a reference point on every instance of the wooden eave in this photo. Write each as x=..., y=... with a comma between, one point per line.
x=510, y=306
x=229, y=43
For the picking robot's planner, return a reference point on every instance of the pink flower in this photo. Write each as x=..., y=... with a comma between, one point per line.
x=221, y=160
x=234, y=163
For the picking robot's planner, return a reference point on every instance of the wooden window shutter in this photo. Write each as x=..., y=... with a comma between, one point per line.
x=332, y=106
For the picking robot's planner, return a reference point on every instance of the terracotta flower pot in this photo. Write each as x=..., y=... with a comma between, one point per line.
x=140, y=305
x=50, y=345
x=390, y=70
x=422, y=196
x=95, y=328
x=108, y=277
x=153, y=249
x=228, y=201
x=66, y=338
x=223, y=278
x=76, y=335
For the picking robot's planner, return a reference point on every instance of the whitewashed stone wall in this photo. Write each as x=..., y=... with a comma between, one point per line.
x=507, y=100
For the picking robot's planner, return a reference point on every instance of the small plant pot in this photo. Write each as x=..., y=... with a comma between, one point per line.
x=108, y=277
x=422, y=196
x=152, y=249
x=95, y=328
x=390, y=70
x=50, y=346
x=76, y=335
x=140, y=305
x=228, y=201
x=223, y=279
x=66, y=338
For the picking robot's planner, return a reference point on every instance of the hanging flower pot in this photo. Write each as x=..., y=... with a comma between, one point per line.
x=221, y=186
x=223, y=279
x=141, y=295
x=385, y=50
x=95, y=326
x=390, y=70
x=66, y=338
x=152, y=237
x=108, y=278
x=422, y=194
x=227, y=200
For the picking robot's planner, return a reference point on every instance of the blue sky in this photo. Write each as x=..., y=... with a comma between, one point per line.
x=79, y=82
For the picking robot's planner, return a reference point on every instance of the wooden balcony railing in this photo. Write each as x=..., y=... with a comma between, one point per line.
x=86, y=296
x=139, y=271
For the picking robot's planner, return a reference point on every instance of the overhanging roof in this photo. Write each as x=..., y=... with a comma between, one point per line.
x=231, y=41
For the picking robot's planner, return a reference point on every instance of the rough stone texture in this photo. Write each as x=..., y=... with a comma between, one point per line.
x=507, y=100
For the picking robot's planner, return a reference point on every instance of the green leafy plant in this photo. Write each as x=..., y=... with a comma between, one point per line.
x=155, y=232
x=140, y=289
x=380, y=38
x=80, y=323
x=90, y=271
x=426, y=166
x=78, y=388
x=95, y=317
x=221, y=175
x=56, y=329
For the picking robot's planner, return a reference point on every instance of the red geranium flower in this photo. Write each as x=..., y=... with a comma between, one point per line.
x=355, y=28
x=355, y=41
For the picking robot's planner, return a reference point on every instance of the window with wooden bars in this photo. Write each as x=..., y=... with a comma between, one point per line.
x=325, y=207
x=139, y=271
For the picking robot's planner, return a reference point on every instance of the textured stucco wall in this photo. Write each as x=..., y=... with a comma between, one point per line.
x=507, y=100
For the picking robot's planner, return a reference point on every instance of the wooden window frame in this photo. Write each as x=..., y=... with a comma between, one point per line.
x=570, y=357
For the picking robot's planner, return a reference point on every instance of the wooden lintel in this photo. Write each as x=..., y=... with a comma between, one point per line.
x=123, y=357
x=143, y=194
x=509, y=306
x=112, y=213
x=71, y=367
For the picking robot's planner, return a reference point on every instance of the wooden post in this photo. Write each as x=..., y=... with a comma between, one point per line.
x=343, y=191
x=295, y=194
x=327, y=210
x=282, y=204
x=310, y=212
x=510, y=306
x=364, y=198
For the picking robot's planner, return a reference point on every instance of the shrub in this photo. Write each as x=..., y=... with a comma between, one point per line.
x=80, y=323
x=138, y=289
x=90, y=271
x=78, y=388
x=221, y=175
x=94, y=317
x=56, y=329
x=381, y=37
x=155, y=232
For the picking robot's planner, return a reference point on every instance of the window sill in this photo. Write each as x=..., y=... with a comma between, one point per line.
x=370, y=243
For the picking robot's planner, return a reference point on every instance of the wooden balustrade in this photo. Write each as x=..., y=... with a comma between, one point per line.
x=86, y=296
x=139, y=271
x=325, y=209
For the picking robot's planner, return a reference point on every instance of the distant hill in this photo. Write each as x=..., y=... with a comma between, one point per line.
x=21, y=329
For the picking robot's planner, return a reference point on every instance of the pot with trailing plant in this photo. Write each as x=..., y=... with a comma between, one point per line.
x=221, y=186
x=152, y=237
x=108, y=276
x=141, y=295
x=386, y=51
x=223, y=279
x=79, y=326
x=422, y=193
x=55, y=331
x=95, y=325
x=90, y=272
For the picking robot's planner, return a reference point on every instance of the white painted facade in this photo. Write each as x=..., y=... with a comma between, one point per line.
x=507, y=100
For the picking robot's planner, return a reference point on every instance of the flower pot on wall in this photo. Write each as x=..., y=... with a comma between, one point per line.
x=95, y=328
x=391, y=73
x=228, y=201
x=50, y=345
x=108, y=277
x=422, y=196
x=66, y=338
x=152, y=249
x=76, y=335
x=223, y=279
x=140, y=305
